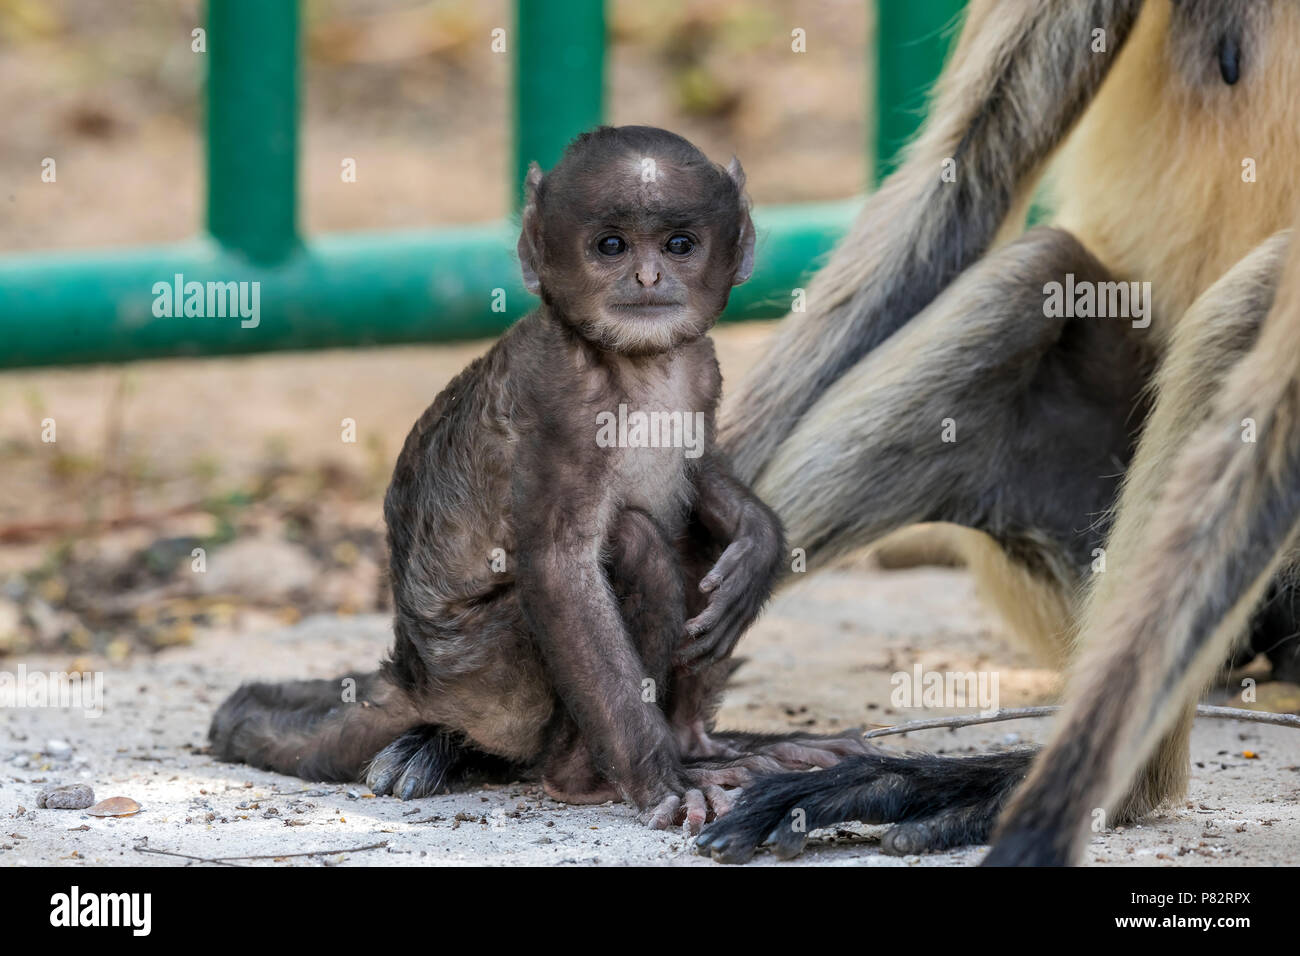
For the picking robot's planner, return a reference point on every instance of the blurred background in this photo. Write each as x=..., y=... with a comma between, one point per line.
x=244, y=457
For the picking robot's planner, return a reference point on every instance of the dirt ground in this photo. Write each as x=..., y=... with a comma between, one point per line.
x=821, y=658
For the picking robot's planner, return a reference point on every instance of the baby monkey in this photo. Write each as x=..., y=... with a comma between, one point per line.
x=572, y=561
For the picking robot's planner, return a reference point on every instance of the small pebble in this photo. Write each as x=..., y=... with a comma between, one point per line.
x=76, y=796
x=58, y=748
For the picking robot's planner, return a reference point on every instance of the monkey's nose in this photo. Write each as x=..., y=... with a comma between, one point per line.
x=647, y=277
x=1230, y=60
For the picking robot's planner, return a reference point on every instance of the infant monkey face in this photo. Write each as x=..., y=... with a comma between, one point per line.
x=635, y=238
x=654, y=283
x=648, y=276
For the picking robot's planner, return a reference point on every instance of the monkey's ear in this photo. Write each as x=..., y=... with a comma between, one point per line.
x=530, y=239
x=737, y=174
x=746, y=241
x=532, y=180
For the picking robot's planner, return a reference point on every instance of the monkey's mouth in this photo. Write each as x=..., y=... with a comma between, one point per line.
x=653, y=307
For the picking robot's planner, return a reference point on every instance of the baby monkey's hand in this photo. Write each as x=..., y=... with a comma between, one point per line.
x=737, y=586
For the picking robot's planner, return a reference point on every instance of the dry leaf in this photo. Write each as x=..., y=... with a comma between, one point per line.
x=115, y=807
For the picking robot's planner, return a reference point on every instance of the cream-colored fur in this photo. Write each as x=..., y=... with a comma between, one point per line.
x=1143, y=147
x=1151, y=182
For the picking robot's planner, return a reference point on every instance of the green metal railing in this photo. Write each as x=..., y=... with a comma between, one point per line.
x=64, y=308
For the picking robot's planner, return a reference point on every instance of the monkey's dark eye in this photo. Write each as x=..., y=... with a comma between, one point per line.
x=680, y=245
x=611, y=246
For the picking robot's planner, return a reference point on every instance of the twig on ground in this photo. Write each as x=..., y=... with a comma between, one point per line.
x=1017, y=713
x=226, y=860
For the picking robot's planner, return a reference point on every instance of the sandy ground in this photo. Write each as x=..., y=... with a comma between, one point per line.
x=821, y=658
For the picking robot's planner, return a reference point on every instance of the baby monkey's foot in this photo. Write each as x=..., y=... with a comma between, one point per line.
x=414, y=765
x=692, y=804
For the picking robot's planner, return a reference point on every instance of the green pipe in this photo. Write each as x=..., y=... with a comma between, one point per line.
x=559, y=80
x=332, y=292
x=253, y=126
x=912, y=43
x=386, y=288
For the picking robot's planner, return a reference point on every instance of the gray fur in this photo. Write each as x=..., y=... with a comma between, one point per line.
x=565, y=605
x=1016, y=86
x=918, y=318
